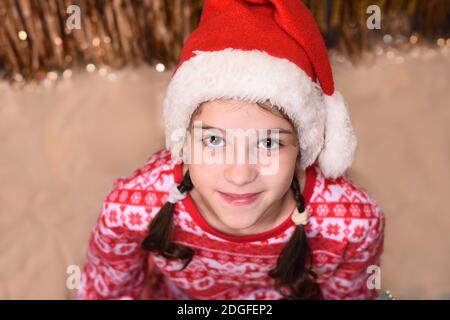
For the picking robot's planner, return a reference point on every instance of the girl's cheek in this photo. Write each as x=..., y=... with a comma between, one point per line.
x=280, y=162
x=287, y=161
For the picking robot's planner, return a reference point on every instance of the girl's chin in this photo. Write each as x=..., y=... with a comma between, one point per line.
x=238, y=218
x=238, y=226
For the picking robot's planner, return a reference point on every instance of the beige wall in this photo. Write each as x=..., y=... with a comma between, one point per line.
x=62, y=148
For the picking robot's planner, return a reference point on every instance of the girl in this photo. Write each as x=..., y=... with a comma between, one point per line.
x=285, y=222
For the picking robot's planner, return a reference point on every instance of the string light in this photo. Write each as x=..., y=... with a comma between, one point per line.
x=387, y=38
x=22, y=35
x=413, y=39
x=103, y=72
x=52, y=75
x=96, y=42
x=160, y=67
x=58, y=41
x=390, y=54
x=67, y=74
x=112, y=77
x=90, y=67
x=18, y=77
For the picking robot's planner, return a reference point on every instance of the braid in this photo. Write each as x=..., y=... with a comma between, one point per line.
x=291, y=268
x=159, y=239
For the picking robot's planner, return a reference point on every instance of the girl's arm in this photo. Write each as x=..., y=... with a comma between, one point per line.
x=115, y=266
x=356, y=274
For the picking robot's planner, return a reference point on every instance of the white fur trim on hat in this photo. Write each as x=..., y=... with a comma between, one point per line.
x=340, y=140
x=250, y=75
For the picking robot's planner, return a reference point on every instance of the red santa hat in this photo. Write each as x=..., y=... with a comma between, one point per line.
x=258, y=50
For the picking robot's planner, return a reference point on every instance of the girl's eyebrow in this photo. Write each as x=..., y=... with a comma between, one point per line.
x=206, y=127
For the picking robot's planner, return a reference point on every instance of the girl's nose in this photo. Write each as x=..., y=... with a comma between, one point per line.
x=241, y=174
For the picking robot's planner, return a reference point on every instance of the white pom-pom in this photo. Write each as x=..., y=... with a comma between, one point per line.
x=340, y=140
x=300, y=217
x=175, y=195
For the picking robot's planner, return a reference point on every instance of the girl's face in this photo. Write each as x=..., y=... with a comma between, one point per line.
x=242, y=161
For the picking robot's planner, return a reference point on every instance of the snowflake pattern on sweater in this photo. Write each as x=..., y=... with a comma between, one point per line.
x=345, y=232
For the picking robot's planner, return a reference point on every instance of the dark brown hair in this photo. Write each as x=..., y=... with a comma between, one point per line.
x=292, y=274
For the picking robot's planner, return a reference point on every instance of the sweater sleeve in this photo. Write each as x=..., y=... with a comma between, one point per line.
x=115, y=266
x=354, y=277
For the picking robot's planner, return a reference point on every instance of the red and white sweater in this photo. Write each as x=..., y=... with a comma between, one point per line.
x=345, y=232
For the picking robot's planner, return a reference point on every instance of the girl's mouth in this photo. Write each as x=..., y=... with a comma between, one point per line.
x=243, y=199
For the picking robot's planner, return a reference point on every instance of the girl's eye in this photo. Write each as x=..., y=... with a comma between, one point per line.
x=269, y=144
x=213, y=141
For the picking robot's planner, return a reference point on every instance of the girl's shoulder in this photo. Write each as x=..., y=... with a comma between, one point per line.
x=340, y=192
x=157, y=174
x=346, y=232
x=343, y=211
x=135, y=199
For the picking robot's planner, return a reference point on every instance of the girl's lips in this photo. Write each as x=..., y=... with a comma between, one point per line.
x=240, y=199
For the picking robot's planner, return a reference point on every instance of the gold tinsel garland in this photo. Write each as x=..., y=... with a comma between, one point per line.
x=34, y=39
